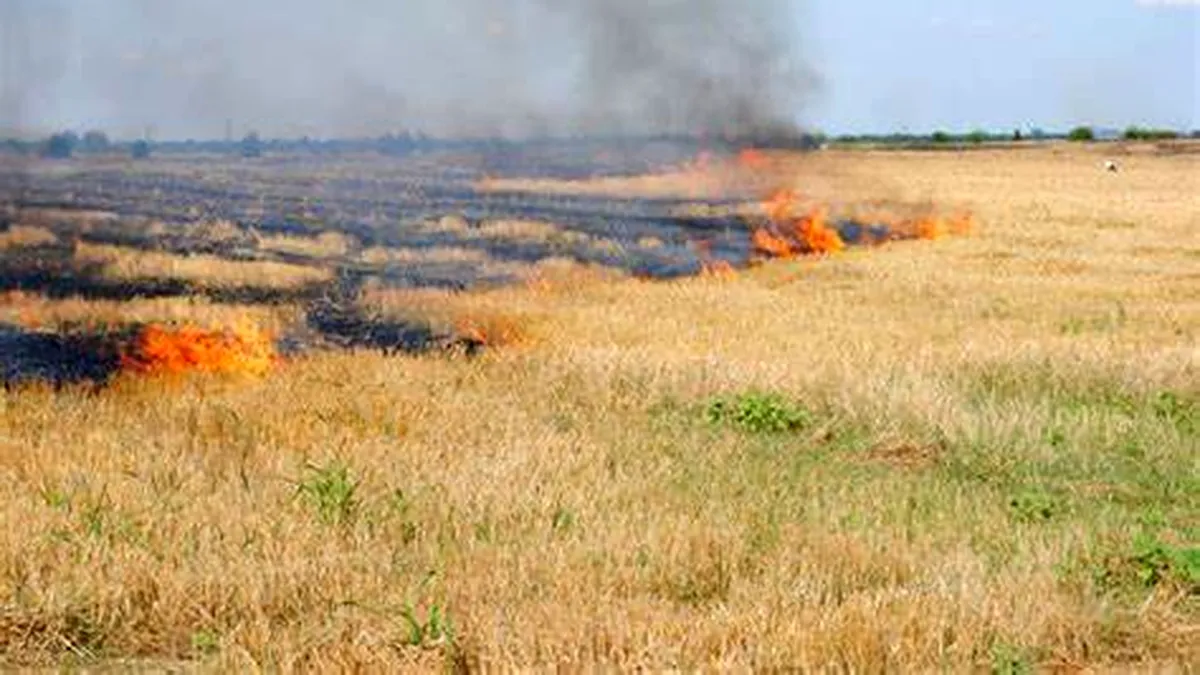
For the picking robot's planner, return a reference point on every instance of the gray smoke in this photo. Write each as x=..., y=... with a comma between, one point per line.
x=362, y=67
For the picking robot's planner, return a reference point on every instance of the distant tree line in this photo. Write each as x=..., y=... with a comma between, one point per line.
x=1142, y=134
x=942, y=138
x=67, y=144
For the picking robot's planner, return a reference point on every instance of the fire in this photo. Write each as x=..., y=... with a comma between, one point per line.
x=798, y=226
x=752, y=158
x=239, y=349
x=932, y=226
x=472, y=331
x=711, y=267
x=772, y=244
x=962, y=224
x=781, y=205
x=790, y=235
x=718, y=269
x=817, y=235
x=490, y=328
x=929, y=227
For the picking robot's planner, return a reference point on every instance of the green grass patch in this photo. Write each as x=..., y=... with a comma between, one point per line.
x=331, y=492
x=759, y=413
x=1149, y=561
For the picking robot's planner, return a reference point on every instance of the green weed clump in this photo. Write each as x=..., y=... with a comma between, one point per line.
x=331, y=492
x=1151, y=562
x=758, y=412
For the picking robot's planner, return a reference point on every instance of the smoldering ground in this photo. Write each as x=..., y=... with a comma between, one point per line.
x=459, y=67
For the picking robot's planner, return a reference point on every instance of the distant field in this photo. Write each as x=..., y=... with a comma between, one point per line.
x=977, y=452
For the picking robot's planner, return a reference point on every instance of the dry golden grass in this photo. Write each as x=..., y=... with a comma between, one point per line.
x=76, y=219
x=19, y=236
x=323, y=246
x=216, y=230
x=697, y=180
x=128, y=264
x=379, y=255
x=994, y=419
x=518, y=229
x=32, y=310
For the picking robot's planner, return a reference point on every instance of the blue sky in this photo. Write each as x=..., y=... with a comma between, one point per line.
x=913, y=66
x=961, y=64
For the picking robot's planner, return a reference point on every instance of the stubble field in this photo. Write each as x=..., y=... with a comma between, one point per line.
x=979, y=451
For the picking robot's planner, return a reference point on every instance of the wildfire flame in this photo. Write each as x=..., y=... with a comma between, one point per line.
x=790, y=235
x=929, y=227
x=781, y=206
x=239, y=349
x=752, y=158
x=796, y=227
x=710, y=267
x=718, y=269
x=772, y=244
x=814, y=230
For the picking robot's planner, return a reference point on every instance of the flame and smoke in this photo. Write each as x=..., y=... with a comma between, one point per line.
x=789, y=234
x=239, y=349
x=796, y=227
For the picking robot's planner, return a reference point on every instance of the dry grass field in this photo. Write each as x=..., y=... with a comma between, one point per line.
x=974, y=453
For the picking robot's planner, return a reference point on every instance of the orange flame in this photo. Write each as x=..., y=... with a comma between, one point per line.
x=771, y=244
x=929, y=227
x=752, y=158
x=718, y=269
x=240, y=349
x=492, y=330
x=780, y=206
x=962, y=224
x=792, y=235
x=817, y=235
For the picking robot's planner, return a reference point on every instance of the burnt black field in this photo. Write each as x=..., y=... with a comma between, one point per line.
x=385, y=201
x=377, y=200
x=382, y=201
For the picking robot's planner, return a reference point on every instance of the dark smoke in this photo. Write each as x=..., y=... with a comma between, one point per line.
x=448, y=67
x=704, y=66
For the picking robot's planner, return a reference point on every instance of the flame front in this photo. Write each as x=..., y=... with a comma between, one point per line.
x=790, y=235
x=814, y=230
x=752, y=158
x=796, y=226
x=240, y=349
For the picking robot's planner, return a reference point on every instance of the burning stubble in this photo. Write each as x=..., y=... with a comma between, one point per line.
x=465, y=67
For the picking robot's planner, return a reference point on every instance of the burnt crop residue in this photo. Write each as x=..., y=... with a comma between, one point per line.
x=29, y=356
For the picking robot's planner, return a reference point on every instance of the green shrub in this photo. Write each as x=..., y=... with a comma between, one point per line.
x=1079, y=134
x=758, y=413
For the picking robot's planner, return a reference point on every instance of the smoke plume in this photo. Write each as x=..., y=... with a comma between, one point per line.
x=448, y=67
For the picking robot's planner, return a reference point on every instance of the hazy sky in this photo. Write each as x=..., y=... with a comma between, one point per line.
x=324, y=68
x=920, y=64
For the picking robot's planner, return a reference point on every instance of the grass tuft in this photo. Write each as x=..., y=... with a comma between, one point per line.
x=758, y=412
x=331, y=492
